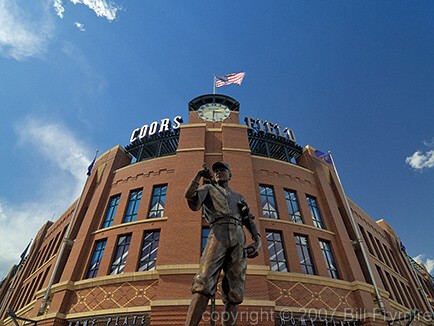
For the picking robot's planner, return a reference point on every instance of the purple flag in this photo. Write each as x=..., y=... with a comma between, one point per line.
x=324, y=156
x=90, y=167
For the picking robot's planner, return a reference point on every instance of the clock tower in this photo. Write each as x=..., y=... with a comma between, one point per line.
x=213, y=132
x=213, y=109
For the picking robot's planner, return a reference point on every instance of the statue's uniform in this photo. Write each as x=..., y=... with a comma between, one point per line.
x=225, y=245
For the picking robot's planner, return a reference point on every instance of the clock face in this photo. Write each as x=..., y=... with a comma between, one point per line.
x=214, y=112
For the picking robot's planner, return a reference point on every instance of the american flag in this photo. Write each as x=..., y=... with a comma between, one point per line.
x=236, y=78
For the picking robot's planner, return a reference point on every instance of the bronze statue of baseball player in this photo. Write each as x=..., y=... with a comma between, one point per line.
x=226, y=211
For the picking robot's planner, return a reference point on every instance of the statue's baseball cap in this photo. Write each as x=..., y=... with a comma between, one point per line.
x=220, y=165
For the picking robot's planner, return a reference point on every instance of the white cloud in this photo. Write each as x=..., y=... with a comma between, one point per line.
x=419, y=161
x=65, y=162
x=80, y=26
x=57, y=144
x=18, y=225
x=22, y=36
x=102, y=8
x=58, y=7
x=429, y=265
x=429, y=143
x=428, y=262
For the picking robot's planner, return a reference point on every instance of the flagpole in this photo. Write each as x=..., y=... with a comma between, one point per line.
x=66, y=242
x=11, y=287
x=213, y=86
x=359, y=240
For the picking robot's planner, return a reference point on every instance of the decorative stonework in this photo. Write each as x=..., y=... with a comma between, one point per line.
x=113, y=296
x=143, y=175
x=286, y=176
x=310, y=296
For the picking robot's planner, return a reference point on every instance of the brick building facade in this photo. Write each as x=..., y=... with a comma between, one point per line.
x=134, y=246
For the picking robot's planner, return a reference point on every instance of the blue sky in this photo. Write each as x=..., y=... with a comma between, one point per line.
x=353, y=77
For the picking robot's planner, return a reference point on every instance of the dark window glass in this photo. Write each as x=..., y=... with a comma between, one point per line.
x=148, y=257
x=405, y=295
x=329, y=259
x=96, y=258
x=158, y=201
x=304, y=255
x=392, y=259
x=133, y=206
x=121, y=254
x=293, y=207
x=409, y=296
x=205, y=233
x=377, y=252
x=398, y=291
x=276, y=252
x=268, y=202
x=316, y=216
x=111, y=211
x=362, y=230
x=392, y=286
x=380, y=273
x=385, y=255
x=380, y=250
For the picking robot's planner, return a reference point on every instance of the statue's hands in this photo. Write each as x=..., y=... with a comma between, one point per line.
x=193, y=186
x=205, y=172
x=244, y=208
x=253, y=250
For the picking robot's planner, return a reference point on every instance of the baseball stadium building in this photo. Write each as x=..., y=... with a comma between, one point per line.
x=126, y=251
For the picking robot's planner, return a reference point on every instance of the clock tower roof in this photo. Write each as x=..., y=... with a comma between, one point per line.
x=228, y=101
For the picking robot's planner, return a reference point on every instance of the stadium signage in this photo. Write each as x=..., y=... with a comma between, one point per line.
x=155, y=128
x=131, y=320
x=268, y=127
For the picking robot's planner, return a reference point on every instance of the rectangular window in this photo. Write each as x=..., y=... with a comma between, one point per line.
x=425, y=284
x=133, y=206
x=377, y=252
x=380, y=273
x=392, y=287
x=398, y=291
x=268, y=202
x=404, y=295
x=362, y=230
x=380, y=251
x=205, y=234
x=409, y=295
x=276, y=252
x=316, y=216
x=392, y=259
x=329, y=259
x=96, y=258
x=293, y=207
x=385, y=255
x=121, y=254
x=158, y=201
x=148, y=257
x=111, y=211
x=304, y=255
